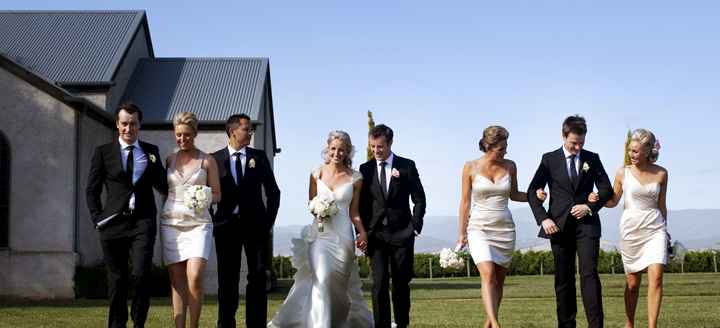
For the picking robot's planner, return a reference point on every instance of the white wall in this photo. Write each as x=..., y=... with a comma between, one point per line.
x=40, y=129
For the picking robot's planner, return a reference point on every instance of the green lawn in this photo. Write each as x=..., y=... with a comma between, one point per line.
x=691, y=300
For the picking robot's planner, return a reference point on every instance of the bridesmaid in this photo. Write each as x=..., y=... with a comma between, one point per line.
x=643, y=225
x=485, y=221
x=187, y=235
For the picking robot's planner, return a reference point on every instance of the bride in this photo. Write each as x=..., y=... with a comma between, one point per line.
x=327, y=290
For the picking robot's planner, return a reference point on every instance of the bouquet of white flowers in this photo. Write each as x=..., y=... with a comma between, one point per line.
x=197, y=198
x=451, y=259
x=322, y=207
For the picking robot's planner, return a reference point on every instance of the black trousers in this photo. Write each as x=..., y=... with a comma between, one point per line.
x=571, y=241
x=387, y=260
x=230, y=240
x=136, y=249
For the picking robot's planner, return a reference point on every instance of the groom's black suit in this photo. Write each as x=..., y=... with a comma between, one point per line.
x=581, y=237
x=250, y=229
x=391, y=228
x=129, y=235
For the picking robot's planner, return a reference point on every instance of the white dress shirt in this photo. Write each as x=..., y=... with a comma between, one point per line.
x=388, y=170
x=140, y=162
x=567, y=162
x=233, y=159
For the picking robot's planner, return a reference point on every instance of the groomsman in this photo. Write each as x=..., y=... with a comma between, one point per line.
x=572, y=223
x=243, y=221
x=390, y=183
x=128, y=170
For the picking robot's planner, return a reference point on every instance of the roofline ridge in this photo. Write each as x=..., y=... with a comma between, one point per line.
x=209, y=58
x=73, y=11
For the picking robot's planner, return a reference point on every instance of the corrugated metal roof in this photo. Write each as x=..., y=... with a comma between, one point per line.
x=78, y=46
x=212, y=88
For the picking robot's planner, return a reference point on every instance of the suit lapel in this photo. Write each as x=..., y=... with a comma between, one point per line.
x=562, y=165
x=375, y=185
x=116, y=161
x=226, y=165
x=581, y=172
x=249, y=164
x=393, y=180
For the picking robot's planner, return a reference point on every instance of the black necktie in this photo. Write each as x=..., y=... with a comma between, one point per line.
x=130, y=162
x=238, y=168
x=573, y=170
x=383, y=178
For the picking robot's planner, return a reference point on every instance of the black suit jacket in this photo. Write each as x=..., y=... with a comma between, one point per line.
x=248, y=196
x=106, y=170
x=396, y=208
x=564, y=195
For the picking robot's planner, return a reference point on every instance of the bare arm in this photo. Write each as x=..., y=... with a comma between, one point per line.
x=312, y=192
x=213, y=177
x=617, y=189
x=464, y=211
x=515, y=195
x=663, y=193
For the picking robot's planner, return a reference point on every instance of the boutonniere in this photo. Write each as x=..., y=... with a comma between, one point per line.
x=395, y=173
x=251, y=163
x=152, y=158
x=586, y=167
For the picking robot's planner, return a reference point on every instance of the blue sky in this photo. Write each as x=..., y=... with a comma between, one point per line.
x=438, y=73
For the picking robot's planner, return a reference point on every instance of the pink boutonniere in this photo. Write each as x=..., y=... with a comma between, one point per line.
x=395, y=173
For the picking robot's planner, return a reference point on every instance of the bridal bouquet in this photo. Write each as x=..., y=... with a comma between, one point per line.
x=197, y=198
x=451, y=259
x=323, y=207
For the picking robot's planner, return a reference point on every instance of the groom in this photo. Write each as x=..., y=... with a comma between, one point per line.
x=572, y=223
x=127, y=169
x=390, y=182
x=242, y=221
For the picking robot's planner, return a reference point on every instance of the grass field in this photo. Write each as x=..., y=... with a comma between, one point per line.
x=691, y=300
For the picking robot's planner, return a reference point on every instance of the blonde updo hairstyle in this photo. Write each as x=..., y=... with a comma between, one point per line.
x=186, y=118
x=492, y=136
x=648, y=142
x=344, y=137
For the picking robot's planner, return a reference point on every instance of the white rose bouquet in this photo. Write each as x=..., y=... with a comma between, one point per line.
x=451, y=259
x=197, y=198
x=322, y=207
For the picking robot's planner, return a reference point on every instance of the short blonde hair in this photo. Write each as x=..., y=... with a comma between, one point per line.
x=493, y=135
x=344, y=137
x=186, y=118
x=648, y=142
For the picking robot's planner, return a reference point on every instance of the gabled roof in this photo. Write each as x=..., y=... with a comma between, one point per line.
x=73, y=47
x=212, y=88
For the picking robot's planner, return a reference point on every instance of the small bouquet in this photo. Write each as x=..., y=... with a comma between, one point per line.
x=451, y=259
x=322, y=207
x=197, y=198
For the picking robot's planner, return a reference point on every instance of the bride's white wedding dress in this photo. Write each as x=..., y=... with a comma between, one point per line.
x=327, y=291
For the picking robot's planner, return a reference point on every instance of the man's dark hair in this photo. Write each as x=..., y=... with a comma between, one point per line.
x=130, y=108
x=381, y=130
x=574, y=124
x=234, y=121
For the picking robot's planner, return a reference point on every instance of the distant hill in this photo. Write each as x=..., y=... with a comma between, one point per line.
x=696, y=229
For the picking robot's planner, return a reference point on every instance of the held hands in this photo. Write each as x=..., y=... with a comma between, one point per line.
x=580, y=211
x=549, y=226
x=361, y=241
x=541, y=194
